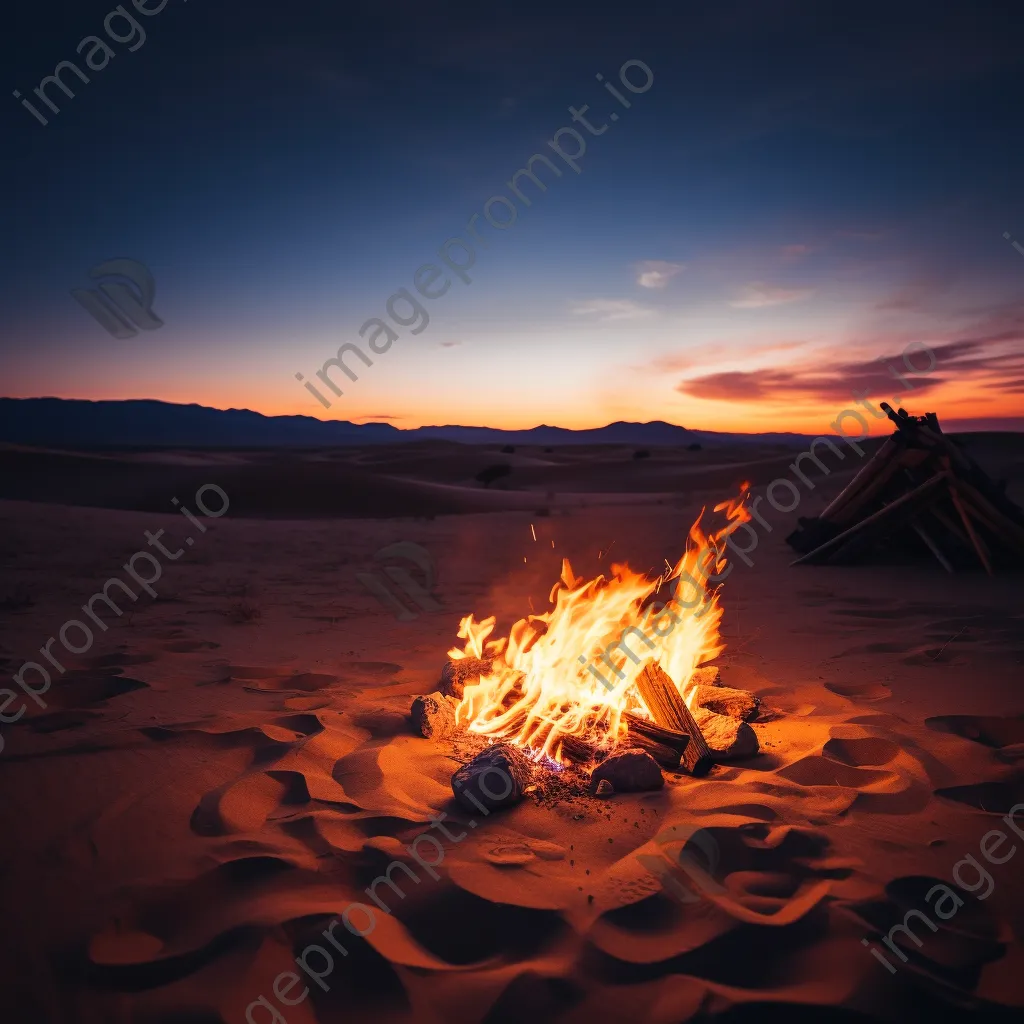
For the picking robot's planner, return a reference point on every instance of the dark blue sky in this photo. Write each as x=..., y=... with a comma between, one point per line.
x=804, y=187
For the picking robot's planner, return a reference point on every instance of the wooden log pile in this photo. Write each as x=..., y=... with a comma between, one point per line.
x=919, y=493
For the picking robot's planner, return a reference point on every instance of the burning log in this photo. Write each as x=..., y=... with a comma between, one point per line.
x=666, y=746
x=456, y=674
x=577, y=750
x=668, y=710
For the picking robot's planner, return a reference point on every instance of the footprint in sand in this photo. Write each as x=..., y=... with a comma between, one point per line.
x=860, y=691
x=991, y=730
x=863, y=751
x=304, y=682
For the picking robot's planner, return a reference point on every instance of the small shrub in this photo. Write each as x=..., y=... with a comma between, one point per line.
x=488, y=475
x=244, y=612
x=643, y=453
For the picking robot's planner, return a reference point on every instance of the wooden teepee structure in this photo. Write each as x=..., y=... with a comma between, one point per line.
x=919, y=491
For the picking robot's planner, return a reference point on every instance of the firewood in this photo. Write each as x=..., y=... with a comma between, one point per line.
x=882, y=456
x=951, y=528
x=668, y=709
x=969, y=527
x=906, y=459
x=997, y=525
x=985, y=505
x=577, y=750
x=667, y=757
x=874, y=519
x=666, y=746
x=931, y=545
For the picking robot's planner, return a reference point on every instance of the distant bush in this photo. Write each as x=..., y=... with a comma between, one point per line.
x=244, y=612
x=548, y=451
x=643, y=453
x=488, y=475
x=507, y=450
x=694, y=447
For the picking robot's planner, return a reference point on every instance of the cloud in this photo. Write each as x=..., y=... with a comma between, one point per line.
x=612, y=309
x=840, y=381
x=377, y=417
x=795, y=251
x=450, y=344
x=657, y=273
x=757, y=295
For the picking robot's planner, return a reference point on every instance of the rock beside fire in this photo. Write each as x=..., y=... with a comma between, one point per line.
x=724, y=700
x=495, y=778
x=433, y=716
x=628, y=771
x=728, y=738
x=456, y=674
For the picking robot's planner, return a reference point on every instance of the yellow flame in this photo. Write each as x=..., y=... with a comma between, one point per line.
x=572, y=670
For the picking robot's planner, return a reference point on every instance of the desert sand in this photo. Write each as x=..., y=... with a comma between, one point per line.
x=232, y=764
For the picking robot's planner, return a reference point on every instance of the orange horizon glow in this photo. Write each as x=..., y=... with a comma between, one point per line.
x=952, y=402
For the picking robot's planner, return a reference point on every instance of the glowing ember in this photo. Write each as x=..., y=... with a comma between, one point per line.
x=545, y=683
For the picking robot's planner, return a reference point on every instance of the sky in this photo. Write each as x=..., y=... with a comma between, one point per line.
x=796, y=193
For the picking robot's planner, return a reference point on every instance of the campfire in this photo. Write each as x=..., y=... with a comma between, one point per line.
x=614, y=673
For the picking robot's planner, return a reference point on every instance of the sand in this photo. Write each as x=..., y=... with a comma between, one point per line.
x=230, y=766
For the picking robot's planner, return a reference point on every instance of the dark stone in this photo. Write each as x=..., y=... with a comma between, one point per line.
x=493, y=771
x=456, y=674
x=628, y=771
x=433, y=716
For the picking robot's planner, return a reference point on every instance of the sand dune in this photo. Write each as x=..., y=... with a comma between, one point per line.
x=207, y=789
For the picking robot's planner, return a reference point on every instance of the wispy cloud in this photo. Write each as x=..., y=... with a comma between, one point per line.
x=756, y=295
x=612, y=309
x=991, y=361
x=657, y=273
x=450, y=344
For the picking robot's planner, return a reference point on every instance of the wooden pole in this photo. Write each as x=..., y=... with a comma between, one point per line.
x=969, y=527
x=669, y=710
x=931, y=545
x=868, y=469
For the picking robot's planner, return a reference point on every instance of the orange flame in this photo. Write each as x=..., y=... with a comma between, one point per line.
x=571, y=671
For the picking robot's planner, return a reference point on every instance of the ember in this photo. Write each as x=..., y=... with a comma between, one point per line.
x=530, y=688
